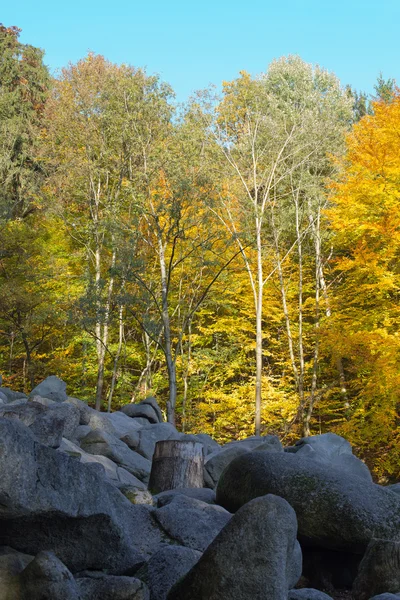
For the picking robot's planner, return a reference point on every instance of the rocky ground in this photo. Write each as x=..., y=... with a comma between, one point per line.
x=78, y=522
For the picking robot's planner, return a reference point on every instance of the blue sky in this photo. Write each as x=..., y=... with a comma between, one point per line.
x=193, y=44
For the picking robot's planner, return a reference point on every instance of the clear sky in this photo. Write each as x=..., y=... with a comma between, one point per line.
x=191, y=44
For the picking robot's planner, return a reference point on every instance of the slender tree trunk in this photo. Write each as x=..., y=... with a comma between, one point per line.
x=314, y=380
x=12, y=338
x=185, y=377
x=117, y=355
x=171, y=364
x=99, y=347
x=102, y=326
x=29, y=364
x=285, y=307
x=300, y=303
x=259, y=308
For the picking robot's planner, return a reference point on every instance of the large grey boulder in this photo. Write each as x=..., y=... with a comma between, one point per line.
x=124, y=425
x=81, y=431
x=145, y=411
x=46, y=425
x=50, y=500
x=334, y=509
x=47, y=578
x=167, y=567
x=45, y=401
x=151, y=401
x=99, y=442
x=151, y=434
x=218, y=460
x=328, y=445
x=112, y=472
x=379, y=570
x=190, y=522
x=331, y=450
x=52, y=387
x=11, y=395
x=249, y=559
x=109, y=587
x=101, y=422
x=307, y=594
x=71, y=416
x=84, y=410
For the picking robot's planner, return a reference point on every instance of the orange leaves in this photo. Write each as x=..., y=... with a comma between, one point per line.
x=365, y=218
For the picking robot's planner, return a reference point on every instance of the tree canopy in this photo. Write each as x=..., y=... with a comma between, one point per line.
x=237, y=256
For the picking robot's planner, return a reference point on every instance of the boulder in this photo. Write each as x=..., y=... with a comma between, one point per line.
x=11, y=395
x=3, y=398
x=151, y=434
x=307, y=594
x=50, y=500
x=47, y=578
x=332, y=450
x=85, y=411
x=45, y=401
x=106, y=587
x=145, y=411
x=114, y=474
x=71, y=416
x=217, y=461
x=167, y=567
x=395, y=487
x=379, y=570
x=132, y=440
x=249, y=559
x=52, y=387
x=98, y=442
x=47, y=426
x=334, y=509
x=101, y=422
x=203, y=494
x=190, y=522
x=151, y=401
x=81, y=431
x=327, y=444
x=124, y=425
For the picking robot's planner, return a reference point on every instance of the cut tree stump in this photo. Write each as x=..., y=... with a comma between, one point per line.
x=176, y=464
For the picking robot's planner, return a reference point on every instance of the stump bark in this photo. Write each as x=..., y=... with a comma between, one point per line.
x=176, y=464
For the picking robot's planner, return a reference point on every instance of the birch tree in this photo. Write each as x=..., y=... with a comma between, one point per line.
x=274, y=132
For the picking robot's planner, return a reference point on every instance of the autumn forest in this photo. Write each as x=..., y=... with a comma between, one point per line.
x=236, y=256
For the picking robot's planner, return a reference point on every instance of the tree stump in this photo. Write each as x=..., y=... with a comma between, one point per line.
x=176, y=464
